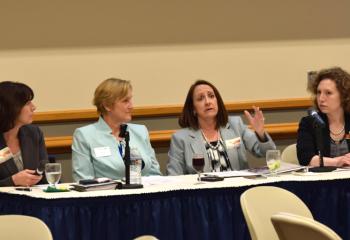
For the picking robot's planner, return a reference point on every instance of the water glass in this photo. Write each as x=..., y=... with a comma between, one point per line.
x=135, y=171
x=273, y=161
x=53, y=173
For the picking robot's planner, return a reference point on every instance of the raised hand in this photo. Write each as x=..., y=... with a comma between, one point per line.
x=257, y=121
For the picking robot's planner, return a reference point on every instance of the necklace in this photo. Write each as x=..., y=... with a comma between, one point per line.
x=336, y=140
x=337, y=137
x=209, y=143
x=337, y=133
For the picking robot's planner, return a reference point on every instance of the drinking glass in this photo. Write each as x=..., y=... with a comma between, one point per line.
x=53, y=173
x=273, y=161
x=198, y=164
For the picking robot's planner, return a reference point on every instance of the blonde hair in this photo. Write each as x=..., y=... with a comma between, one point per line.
x=109, y=91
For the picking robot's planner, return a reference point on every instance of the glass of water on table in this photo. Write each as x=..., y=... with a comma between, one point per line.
x=273, y=161
x=53, y=173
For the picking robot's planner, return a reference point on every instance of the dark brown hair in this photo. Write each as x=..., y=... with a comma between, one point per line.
x=189, y=119
x=342, y=81
x=13, y=96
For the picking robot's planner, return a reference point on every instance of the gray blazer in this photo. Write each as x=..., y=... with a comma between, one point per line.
x=186, y=142
x=33, y=152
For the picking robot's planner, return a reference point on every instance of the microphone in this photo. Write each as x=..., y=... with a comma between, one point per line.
x=123, y=131
x=319, y=124
x=40, y=169
x=125, y=134
x=317, y=119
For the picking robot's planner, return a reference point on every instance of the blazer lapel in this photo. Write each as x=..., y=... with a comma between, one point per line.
x=347, y=130
x=2, y=142
x=198, y=147
x=27, y=150
x=226, y=134
x=326, y=138
x=9, y=164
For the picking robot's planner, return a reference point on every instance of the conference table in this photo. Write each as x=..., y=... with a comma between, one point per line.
x=176, y=207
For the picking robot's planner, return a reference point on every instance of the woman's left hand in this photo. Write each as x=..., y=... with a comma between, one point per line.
x=257, y=121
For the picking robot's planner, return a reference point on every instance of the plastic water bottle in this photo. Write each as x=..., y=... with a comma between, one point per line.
x=135, y=166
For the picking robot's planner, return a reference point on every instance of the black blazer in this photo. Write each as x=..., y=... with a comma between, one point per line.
x=33, y=152
x=306, y=141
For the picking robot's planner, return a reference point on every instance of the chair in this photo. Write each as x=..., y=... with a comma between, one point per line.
x=260, y=203
x=292, y=227
x=15, y=227
x=146, y=237
x=289, y=154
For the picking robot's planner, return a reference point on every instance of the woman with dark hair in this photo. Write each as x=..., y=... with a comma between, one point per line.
x=22, y=146
x=208, y=130
x=331, y=93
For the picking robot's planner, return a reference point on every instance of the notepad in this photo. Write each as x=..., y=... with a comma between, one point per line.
x=111, y=185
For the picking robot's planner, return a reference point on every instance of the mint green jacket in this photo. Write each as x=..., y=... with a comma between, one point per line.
x=88, y=162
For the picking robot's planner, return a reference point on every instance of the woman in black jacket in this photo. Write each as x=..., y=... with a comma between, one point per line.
x=22, y=146
x=331, y=91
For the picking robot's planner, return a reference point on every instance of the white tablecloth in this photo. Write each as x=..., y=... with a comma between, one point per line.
x=156, y=184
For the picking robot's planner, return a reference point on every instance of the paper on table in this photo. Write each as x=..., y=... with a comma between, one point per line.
x=306, y=173
x=158, y=180
x=228, y=174
x=343, y=169
x=285, y=167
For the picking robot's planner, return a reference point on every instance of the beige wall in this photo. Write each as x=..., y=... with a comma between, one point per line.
x=249, y=49
x=259, y=50
x=65, y=79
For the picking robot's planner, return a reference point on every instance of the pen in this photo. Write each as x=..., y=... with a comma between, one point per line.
x=23, y=189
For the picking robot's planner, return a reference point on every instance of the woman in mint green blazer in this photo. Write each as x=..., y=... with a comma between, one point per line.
x=97, y=149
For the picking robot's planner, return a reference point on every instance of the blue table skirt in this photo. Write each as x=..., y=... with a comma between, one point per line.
x=195, y=214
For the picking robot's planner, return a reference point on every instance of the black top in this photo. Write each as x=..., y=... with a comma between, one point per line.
x=306, y=140
x=33, y=152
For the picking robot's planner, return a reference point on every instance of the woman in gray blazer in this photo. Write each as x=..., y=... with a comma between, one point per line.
x=22, y=146
x=208, y=130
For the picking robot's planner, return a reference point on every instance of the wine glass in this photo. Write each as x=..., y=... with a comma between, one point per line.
x=273, y=161
x=198, y=164
x=53, y=173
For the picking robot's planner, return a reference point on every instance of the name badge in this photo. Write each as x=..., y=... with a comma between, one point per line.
x=233, y=143
x=5, y=154
x=102, y=151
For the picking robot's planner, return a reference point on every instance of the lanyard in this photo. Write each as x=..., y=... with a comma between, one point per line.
x=121, y=147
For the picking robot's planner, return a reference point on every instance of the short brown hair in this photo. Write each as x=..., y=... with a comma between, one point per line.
x=342, y=81
x=189, y=119
x=109, y=91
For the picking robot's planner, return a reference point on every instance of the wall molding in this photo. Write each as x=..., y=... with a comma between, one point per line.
x=161, y=138
x=169, y=110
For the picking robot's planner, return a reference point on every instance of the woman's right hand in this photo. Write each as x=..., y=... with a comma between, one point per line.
x=257, y=121
x=341, y=161
x=25, y=177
